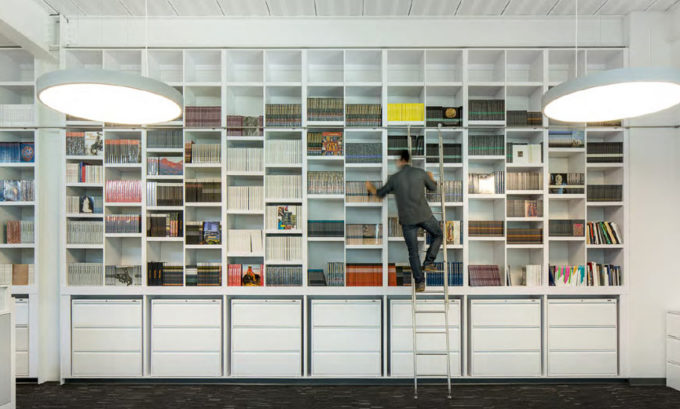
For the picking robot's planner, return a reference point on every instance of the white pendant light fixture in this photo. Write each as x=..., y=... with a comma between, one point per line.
x=110, y=96
x=612, y=95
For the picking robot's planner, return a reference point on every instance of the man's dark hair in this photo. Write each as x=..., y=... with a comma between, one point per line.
x=404, y=155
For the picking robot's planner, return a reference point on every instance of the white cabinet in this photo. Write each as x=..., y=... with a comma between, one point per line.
x=266, y=338
x=106, y=337
x=186, y=337
x=431, y=340
x=21, y=339
x=505, y=337
x=673, y=349
x=582, y=337
x=346, y=338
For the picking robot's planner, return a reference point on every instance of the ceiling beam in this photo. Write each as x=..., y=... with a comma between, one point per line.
x=28, y=25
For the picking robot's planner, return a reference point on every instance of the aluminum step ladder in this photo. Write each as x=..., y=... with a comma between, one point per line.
x=428, y=293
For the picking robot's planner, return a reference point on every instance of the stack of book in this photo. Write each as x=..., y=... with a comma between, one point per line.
x=325, y=182
x=398, y=143
x=364, y=275
x=207, y=190
x=247, y=275
x=410, y=112
x=486, y=145
x=204, y=274
x=245, y=197
x=604, y=152
x=84, y=232
x=453, y=192
x=123, y=191
x=524, y=207
x=19, y=231
x=203, y=232
x=159, y=273
x=453, y=153
x=283, y=151
x=245, y=159
x=245, y=241
x=82, y=143
x=202, y=117
x=164, y=224
x=455, y=275
x=18, y=274
x=363, y=153
x=526, y=180
x=524, y=235
x=283, y=115
x=283, y=186
x=16, y=152
x=282, y=217
x=324, y=109
x=529, y=275
x=164, y=166
x=486, y=110
x=16, y=190
x=164, y=194
x=604, y=274
x=364, y=234
x=17, y=115
x=355, y=192
x=83, y=172
x=569, y=276
x=168, y=138
x=486, y=183
x=486, y=228
x=446, y=116
x=284, y=248
x=283, y=276
x=603, y=233
x=241, y=125
x=484, y=275
x=202, y=152
x=85, y=274
x=605, y=193
x=567, y=183
x=363, y=115
x=524, y=118
x=123, y=223
x=324, y=143
x=122, y=151
x=566, y=228
x=326, y=228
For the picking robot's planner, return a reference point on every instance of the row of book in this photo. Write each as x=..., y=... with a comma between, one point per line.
x=566, y=228
x=210, y=153
x=202, y=116
x=484, y=275
x=604, y=152
x=363, y=275
x=85, y=274
x=453, y=192
x=524, y=153
x=486, y=110
x=17, y=152
x=284, y=151
x=325, y=182
x=123, y=191
x=525, y=235
x=203, y=232
x=203, y=274
x=566, y=138
x=13, y=190
x=245, y=241
x=160, y=273
x=247, y=275
x=525, y=180
x=409, y=112
x=524, y=207
x=603, y=232
x=284, y=248
x=167, y=138
x=207, y=190
x=245, y=159
x=567, y=183
x=453, y=153
x=84, y=143
x=83, y=172
x=282, y=217
x=243, y=125
x=283, y=115
x=164, y=166
x=127, y=275
x=486, y=183
x=324, y=143
x=486, y=228
x=399, y=275
x=592, y=275
x=332, y=275
x=17, y=274
x=394, y=228
x=355, y=192
x=283, y=276
x=324, y=109
x=168, y=224
x=84, y=232
x=454, y=274
x=122, y=151
x=363, y=153
x=363, y=115
x=283, y=186
x=164, y=194
x=326, y=228
x=85, y=204
x=245, y=197
x=19, y=231
x=17, y=115
x=123, y=223
x=518, y=117
x=486, y=145
x=605, y=193
x=528, y=275
x=398, y=143
x=446, y=116
x=364, y=234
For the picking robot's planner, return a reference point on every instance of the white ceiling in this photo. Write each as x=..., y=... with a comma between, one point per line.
x=290, y=8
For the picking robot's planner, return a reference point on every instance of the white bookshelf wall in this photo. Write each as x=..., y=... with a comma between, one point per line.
x=242, y=82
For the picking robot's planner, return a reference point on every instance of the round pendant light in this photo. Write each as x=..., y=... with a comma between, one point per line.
x=613, y=94
x=109, y=96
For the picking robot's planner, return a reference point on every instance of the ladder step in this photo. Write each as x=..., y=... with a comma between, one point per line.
x=431, y=332
x=432, y=353
x=432, y=376
x=430, y=312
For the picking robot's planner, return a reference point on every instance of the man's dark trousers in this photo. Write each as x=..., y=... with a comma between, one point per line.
x=411, y=237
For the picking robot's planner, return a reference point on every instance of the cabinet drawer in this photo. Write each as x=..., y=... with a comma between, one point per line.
x=402, y=364
x=106, y=340
x=186, y=314
x=346, y=364
x=673, y=325
x=22, y=364
x=582, y=339
x=96, y=314
x=506, y=339
x=21, y=339
x=266, y=314
x=176, y=364
x=673, y=350
x=506, y=364
x=582, y=363
x=581, y=314
x=402, y=340
x=402, y=317
x=346, y=313
x=21, y=311
x=106, y=364
x=186, y=339
x=266, y=340
x=511, y=313
x=673, y=376
x=346, y=340
x=266, y=364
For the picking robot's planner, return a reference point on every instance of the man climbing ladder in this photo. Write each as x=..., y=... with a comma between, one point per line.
x=408, y=186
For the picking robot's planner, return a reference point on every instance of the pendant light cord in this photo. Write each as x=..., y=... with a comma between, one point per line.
x=146, y=27
x=576, y=39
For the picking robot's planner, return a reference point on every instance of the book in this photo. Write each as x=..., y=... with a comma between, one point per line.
x=286, y=217
x=212, y=233
x=251, y=275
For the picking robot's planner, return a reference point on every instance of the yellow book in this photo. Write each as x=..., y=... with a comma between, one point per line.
x=394, y=112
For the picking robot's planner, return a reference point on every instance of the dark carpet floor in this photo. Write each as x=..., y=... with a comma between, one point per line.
x=171, y=396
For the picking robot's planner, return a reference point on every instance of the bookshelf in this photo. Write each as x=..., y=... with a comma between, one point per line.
x=19, y=255
x=232, y=91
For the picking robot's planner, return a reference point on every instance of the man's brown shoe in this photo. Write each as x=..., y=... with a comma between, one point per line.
x=420, y=287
